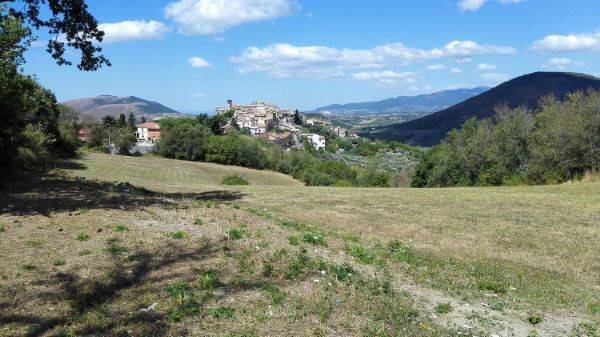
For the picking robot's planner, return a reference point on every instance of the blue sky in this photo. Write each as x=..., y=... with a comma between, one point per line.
x=192, y=55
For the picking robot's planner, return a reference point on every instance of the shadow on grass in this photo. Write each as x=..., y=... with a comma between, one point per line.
x=53, y=193
x=113, y=297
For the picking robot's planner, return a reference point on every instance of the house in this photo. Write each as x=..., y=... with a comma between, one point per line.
x=148, y=132
x=317, y=141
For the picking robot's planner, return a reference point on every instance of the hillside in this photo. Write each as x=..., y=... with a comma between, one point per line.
x=404, y=104
x=100, y=106
x=526, y=90
x=180, y=175
x=88, y=257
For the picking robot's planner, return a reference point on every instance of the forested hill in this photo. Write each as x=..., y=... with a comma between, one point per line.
x=526, y=90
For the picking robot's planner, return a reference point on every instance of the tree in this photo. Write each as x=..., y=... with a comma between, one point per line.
x=131, y=121
x=143, y=119
x=109, y=121
x=70, y=24
x=122, y=121
x=297, y=117
x=124, y=140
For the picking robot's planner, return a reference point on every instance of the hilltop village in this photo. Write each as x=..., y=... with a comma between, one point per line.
x=283, y=126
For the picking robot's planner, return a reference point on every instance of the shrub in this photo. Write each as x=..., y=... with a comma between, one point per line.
x=316, y=239
x=234, y=180
x=83, y=237
x=235, y=234
x=58, y=262
x=2, y=228
x=534, y=319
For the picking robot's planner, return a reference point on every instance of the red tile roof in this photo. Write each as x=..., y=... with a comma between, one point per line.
x=149, y=125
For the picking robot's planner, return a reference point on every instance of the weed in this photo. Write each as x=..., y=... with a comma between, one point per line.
x=178, y=235
x=594, y=308
x=268, y=269
x=533, y=333
x=275, y=293
x=82, y=210
x=82, y=237
x=294, y=240
x=209, y=281
x=243, y=333
x=361, y=253
x=492, y=285
x=443, y=308
x=298, y=265
x=185, y=301
x=343, y=272
x=534, y=319
x=496, y=305
x=236, y=233
x=286, y=223
x=58, y=263
x=234, y=180
x=402, y=252
x=222, y=312
x=115, y=249
x=2, y=228
x=112, y=240
x=316, y=239
x=34, y=243
x=28, y=267
x=198, y=222
x=121, y=228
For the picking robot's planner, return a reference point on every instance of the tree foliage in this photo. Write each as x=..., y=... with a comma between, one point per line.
x=559, y=143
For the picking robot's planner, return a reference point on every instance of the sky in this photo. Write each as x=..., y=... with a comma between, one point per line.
x=193, y=55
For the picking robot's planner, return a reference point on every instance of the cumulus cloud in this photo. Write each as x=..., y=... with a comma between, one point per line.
x=456, y=71
x=566, y=43
x=561, y=63
x=198, y=62
x=495, y=77
x=486, y=67
x=473, y=5
x=205, y=17
x=133, y=30
x=436, y=67
x=286, y=60
x=386, y=77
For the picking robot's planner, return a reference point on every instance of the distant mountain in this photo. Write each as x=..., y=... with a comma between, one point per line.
x=422, y=103
x=100, y=106
x=523, y=91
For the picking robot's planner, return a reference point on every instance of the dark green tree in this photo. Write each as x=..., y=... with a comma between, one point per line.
x=143, y=119
x=122, y=121
x=131, y=121
x=124, y=140
x=109, y=121
x=297, y=117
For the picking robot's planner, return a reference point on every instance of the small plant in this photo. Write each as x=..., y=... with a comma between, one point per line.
x=222, y=312
x=112, y=240
x=361, y=253
x=291, y=224
x=534, y=319
x=34, y=243
x=316, y=239
x=82, y=237
x=234, y=180
x=185, y=302
x=343, y=272
x=236, y=233
x=121, y=228
x=209, y=281
x=58, y=263
x=402, y=252
x=298, y=265
x=28, y=267
x=2, y=228
x=492, y=285
x=178, y=235
x=115, y=249
x=268, y=269
x=275, y=293
x=443, y=308
x=294, y=240
x=198, y=222
x=82, y=210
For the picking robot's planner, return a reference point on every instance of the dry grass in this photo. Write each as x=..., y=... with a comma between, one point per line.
x=285, y=260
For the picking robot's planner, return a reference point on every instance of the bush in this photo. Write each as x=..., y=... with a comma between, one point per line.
x=234, y=180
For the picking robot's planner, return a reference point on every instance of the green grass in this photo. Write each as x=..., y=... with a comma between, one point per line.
x=184, y=176
x=443, y=308
x=178, y=235
x=83, y=237
x=234, y=180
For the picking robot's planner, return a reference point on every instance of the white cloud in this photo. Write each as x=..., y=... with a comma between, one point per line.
x=565, y=43
x=495, y=77
x=204, y=17
x=473, y=5
x=386, y=77
x=286, y=60
x=456, y=71
x=133, y=30
x=561, y=63
x=436, y=67
x=463, y=60
x=198, y=62
x=199, y=95
x=486, y=67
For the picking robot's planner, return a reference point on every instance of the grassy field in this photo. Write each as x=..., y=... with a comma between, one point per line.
x=193, y=258
x=154, y=172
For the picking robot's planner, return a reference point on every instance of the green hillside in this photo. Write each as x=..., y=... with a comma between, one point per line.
x=523, y=91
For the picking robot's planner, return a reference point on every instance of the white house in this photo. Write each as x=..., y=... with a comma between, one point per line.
x=148, y=132
x=317, y=141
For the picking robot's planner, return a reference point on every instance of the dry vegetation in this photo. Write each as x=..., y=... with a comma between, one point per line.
x=89, y=258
